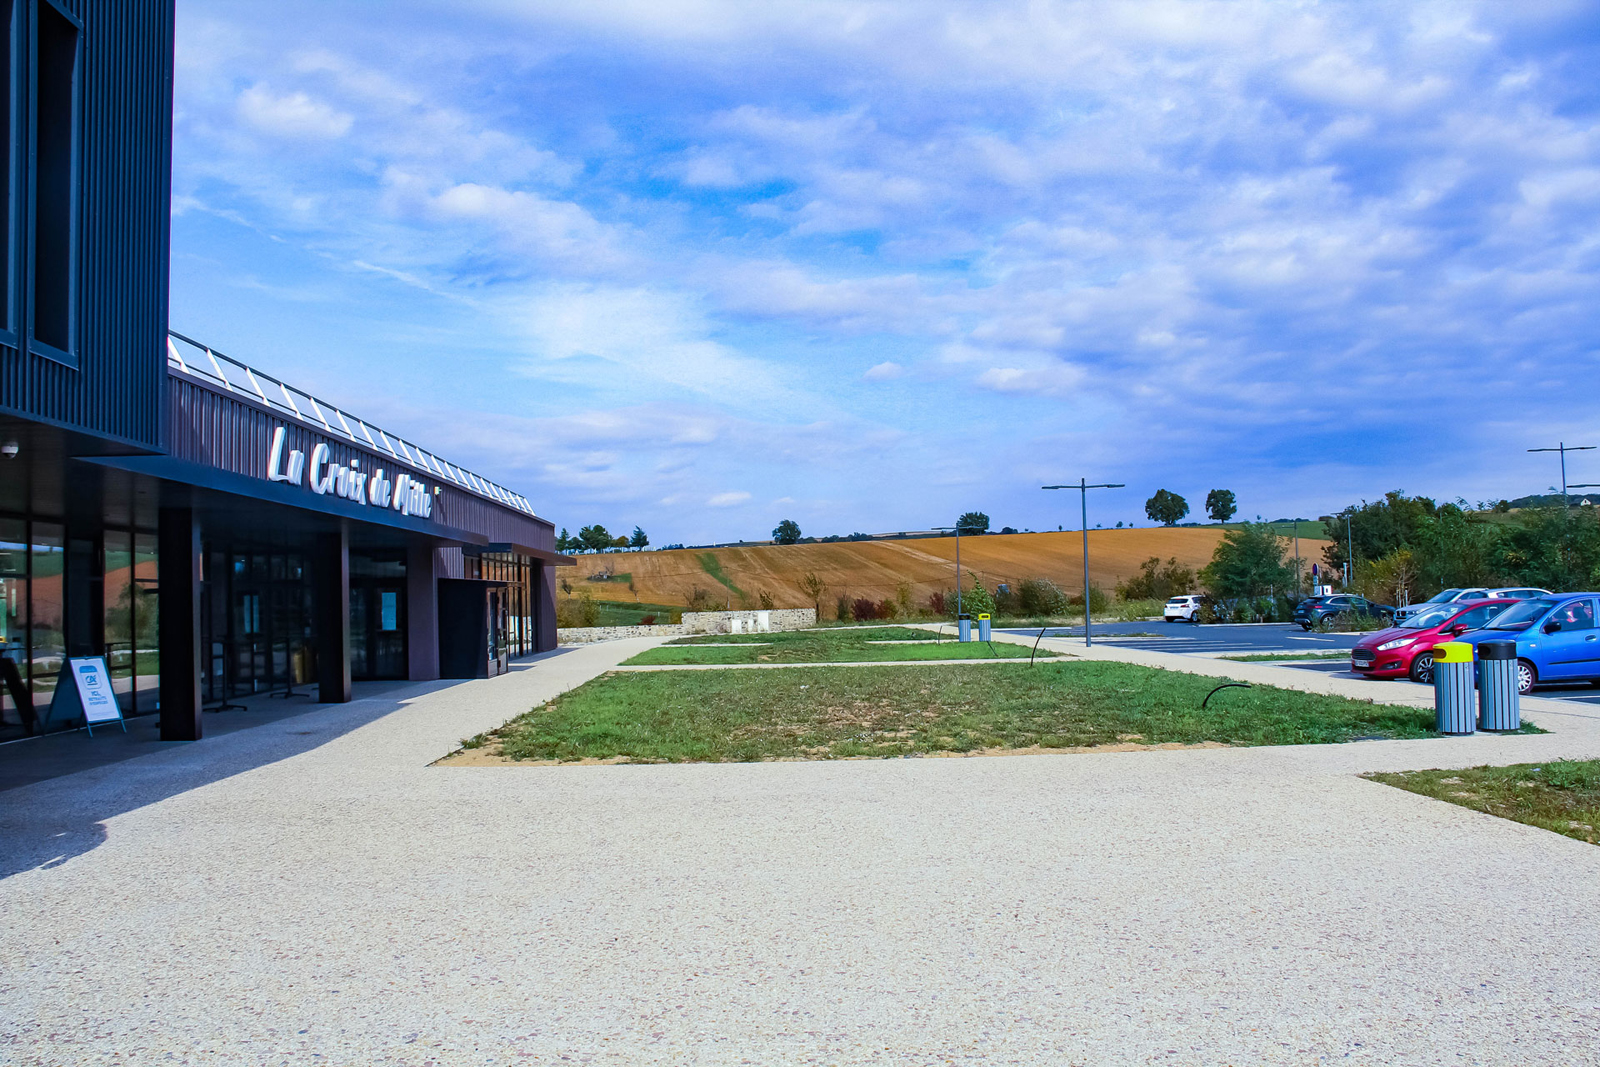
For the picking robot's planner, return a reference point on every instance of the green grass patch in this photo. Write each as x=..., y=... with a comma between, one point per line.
x=859, y=645
x=1563, y=795
x=713, y=566
x=1286, y=657
x=632, y=613
x=838, y=712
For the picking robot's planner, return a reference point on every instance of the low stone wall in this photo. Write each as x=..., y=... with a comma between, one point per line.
x=697, y=622
x=588, y=635
x=755, y=621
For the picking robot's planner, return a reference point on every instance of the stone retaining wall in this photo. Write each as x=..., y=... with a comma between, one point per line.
x=697, y=622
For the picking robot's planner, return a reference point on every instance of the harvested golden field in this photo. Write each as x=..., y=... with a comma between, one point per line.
x=876, y=569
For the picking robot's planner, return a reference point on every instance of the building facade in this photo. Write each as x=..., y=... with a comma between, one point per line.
x=212, y=532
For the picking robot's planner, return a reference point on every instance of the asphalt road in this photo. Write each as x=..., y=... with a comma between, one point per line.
x=1183, y=637
x=1188, y=637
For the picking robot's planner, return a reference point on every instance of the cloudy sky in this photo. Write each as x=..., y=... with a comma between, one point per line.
x=703, y=265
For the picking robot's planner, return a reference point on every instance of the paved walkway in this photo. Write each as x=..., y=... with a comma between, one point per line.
x=312, y=891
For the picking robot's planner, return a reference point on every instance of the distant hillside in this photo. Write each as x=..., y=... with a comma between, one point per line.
x=876, y=569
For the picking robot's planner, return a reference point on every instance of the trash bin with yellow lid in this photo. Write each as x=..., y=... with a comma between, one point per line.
x=1455, y=705
x=983, y=626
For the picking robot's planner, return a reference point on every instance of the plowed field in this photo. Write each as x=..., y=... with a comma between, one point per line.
x=875, y=569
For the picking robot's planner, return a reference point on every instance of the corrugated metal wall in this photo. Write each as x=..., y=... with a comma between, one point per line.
x=124, y=161
x=233, y=432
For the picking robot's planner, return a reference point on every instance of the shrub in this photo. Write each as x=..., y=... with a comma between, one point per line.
x=700, y=600
x=976, y=601
x=648, y=620
x=864, y=609
x=902, y=599
x=842, y=609
x=1041, y=596
x=764, y=598
x=580, y=610
x=936, y=603
x=1098, y=601
x=1157, y=582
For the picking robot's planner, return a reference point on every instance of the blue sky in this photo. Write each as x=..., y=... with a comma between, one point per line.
x=703, y=265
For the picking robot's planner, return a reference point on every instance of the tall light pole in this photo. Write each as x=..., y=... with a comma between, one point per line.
x=1563, y=448
x=957, y=529
x=1083, y=488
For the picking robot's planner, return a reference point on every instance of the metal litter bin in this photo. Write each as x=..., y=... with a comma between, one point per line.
x=964, y=627
x=1455, y=710
x=1499, y=704
x=983, y=627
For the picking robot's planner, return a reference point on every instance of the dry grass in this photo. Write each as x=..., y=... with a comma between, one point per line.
x=876, y=569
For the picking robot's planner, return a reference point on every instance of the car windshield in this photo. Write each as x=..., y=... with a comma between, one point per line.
x=1521, y=616
x=1427, y=618
x=1443, y=597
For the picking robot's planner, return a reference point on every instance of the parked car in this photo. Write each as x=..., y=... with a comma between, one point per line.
x=1519, y=592
x=1557, y=639
x=1456, y=596
x=1183, y=609
x=1405, y=650
x=1313, y=610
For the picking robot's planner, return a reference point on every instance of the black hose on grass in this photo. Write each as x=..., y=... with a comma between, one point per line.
x=1036, y=641
x=1224, y=685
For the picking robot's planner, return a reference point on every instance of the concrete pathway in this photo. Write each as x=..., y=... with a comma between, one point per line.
x=312, y=891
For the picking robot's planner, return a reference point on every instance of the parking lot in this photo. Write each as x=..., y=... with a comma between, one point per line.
x=1258, y=639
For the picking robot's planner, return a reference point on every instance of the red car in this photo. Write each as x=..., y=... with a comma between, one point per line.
x=1406, y=649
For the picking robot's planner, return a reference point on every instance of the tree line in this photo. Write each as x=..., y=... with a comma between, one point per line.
x=597, y=538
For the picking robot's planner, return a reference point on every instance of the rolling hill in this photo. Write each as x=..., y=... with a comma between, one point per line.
x=876, y=569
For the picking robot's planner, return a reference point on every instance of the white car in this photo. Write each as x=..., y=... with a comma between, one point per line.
x=1182, y=609
x=1451, y=596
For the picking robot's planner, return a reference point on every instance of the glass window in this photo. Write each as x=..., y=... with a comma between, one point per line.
x=118, y=613
x=1520, y=616
x=13, y=611
x=1476, y=618
x=47, y=640
x=55, y=127
x=1575, y=615
x=146, y=624
x=1444, y=596
x=389, y=611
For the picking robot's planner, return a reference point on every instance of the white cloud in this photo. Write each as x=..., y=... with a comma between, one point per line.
x=292, y=115
x=883, y=372
x=728, y=500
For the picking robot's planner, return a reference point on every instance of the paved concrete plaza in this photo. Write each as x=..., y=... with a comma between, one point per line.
x=310, y=890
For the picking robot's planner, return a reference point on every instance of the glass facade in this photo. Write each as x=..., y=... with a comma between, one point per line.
x=521, y=575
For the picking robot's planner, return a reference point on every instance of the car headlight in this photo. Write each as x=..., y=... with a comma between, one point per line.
x=1389, y=646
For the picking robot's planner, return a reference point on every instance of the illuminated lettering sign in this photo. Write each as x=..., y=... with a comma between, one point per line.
x=403, y=493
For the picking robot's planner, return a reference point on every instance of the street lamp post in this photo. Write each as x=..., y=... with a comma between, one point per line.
x=957, y=530
x=1083, y=488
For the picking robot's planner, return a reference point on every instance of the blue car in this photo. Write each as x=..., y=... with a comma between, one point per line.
x=1557, y=639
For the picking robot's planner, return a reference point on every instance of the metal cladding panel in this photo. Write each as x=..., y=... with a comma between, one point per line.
x=232, y=432
x=123, y=151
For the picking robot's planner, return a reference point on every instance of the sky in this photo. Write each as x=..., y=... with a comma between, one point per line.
x=703, y=265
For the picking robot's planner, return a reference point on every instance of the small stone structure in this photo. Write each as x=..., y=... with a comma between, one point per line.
x=698, y=622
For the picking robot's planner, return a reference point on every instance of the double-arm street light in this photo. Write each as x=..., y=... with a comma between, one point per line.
x=1083, y=488
x=1564, y=448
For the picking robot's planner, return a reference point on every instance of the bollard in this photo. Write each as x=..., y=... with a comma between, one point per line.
x=1453, y=708
x=983, y=627
x=1499, y=703
x=964, y=627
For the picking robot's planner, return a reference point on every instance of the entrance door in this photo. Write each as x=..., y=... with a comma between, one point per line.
x=377, y=629
x=499, y=660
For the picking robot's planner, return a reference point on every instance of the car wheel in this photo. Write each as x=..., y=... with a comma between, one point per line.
x=1527, y=677
x=1305, y=626
x=1422, y=668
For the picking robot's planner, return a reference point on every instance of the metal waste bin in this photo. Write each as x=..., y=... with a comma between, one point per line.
x=964, y=627
x=983, y=626
x=1499, y=704
x=1455, y=710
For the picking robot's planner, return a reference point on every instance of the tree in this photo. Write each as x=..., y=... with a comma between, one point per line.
x=786, y=532
x=639, y=539
x=1249, y=562
x=1377, y=528
x=1221, y=505
x=973, y=522
x=1155, y=582
x=594, y=538
x=564, y=541
x=813, y=587
x=620, y=541
x=1166, y=507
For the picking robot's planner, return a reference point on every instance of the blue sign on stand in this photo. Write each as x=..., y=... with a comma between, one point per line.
x=89, y=696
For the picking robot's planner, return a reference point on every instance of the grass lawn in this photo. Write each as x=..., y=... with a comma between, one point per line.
x=835, y=712
x=1286, y=657
x=1563, y=795
x=861, y=645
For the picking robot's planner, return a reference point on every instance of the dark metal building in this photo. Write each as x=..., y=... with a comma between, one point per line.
x=210, y=531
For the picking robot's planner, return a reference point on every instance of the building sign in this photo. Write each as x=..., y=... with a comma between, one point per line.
x=323, y=476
